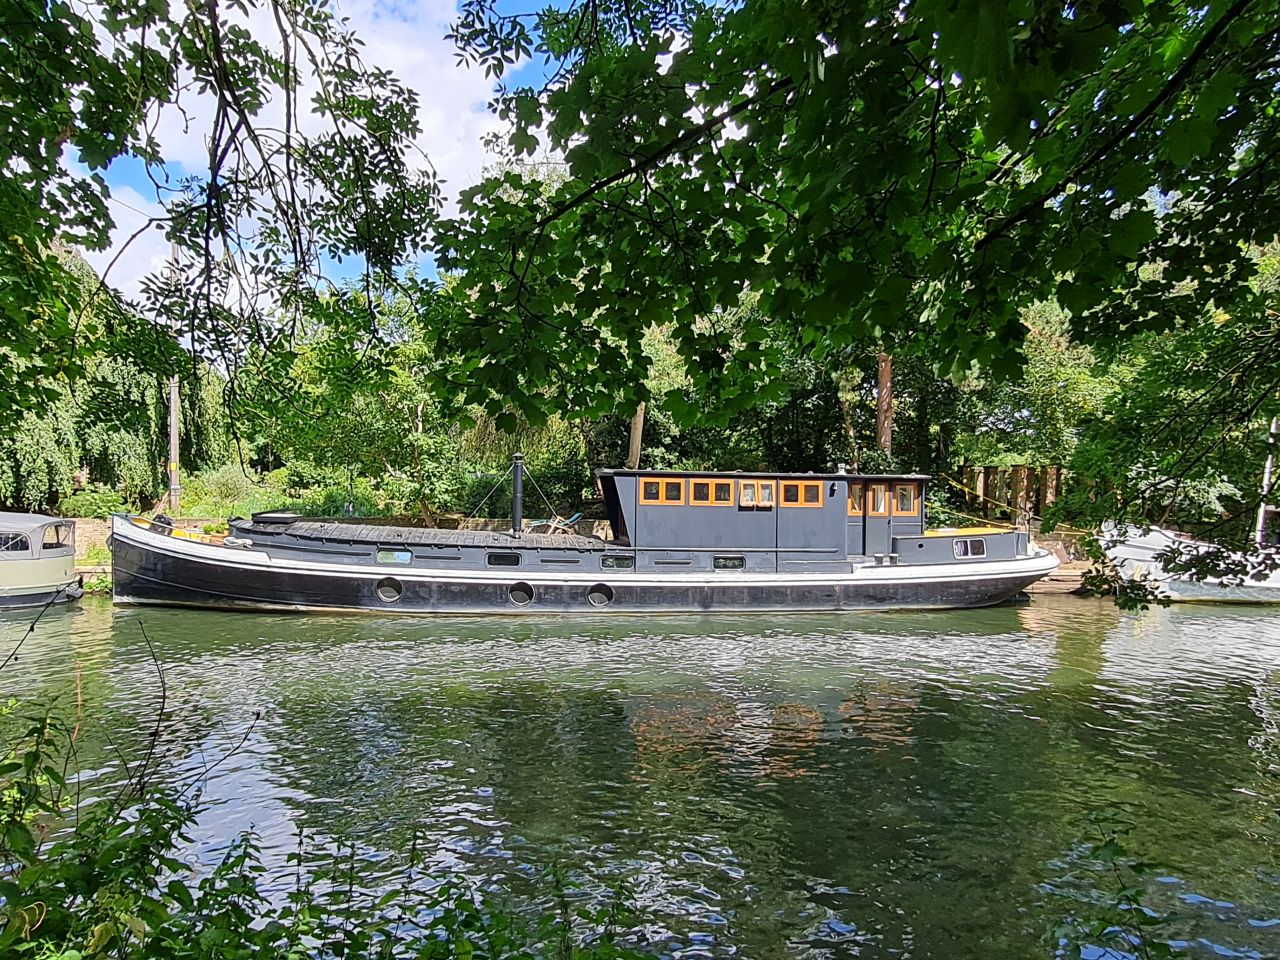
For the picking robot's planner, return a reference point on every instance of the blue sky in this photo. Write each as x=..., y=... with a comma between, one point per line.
x=404, y=36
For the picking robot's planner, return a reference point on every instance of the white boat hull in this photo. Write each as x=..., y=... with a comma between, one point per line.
x=1136, y=555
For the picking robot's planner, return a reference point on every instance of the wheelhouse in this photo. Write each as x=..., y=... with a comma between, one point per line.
x=770, y=520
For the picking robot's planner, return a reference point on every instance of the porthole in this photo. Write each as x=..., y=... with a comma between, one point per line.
x=521, y=594
x=389, y=589
x=600, y=595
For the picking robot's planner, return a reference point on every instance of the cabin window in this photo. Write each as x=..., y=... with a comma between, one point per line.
x=879, y=505
x=55, y=536
x=662, y=492
x=14, y=543
x=855, y=499
x=965, y=549
x=395, y=556
x=729, y=563
x=904, y=500
x=756, y=493
x=802, y=493
x=717, y=493
x=617, y=562
x=503, y=559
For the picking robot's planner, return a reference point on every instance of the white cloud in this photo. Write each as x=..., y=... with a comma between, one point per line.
x=406, y=38
x=145, y=254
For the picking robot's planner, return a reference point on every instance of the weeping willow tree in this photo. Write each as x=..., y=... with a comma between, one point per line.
x=109, y=425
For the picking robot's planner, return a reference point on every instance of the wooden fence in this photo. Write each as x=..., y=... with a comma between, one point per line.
x=1008, y=492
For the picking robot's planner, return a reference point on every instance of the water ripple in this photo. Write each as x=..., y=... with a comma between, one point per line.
x=926, y=785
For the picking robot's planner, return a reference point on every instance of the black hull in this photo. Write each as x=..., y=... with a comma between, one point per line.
x=145, y=576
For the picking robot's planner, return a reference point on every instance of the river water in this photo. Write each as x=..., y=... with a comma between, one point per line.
x=874, y=785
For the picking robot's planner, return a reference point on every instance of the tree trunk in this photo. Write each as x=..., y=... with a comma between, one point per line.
x=884, y=403
x=637, y=433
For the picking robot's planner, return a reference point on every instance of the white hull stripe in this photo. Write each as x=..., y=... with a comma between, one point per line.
x=1037, y=566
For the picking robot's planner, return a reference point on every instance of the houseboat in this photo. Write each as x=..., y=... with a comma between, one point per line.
x=37, y=561
x=679, y=541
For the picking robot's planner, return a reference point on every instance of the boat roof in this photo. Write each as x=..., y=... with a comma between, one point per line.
x=26, y=522
x=767, y=474
x=388, y=535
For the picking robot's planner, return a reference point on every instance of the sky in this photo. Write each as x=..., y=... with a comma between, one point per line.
x=406, y=37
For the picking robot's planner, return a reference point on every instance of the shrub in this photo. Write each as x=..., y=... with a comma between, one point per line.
x=97, y=555
x=227, y=491
x=332, y=500
x=94, y=501
x=227, y=484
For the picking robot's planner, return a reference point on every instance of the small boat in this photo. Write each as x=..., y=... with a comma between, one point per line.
x=1139, y=555
x=679, y=541
x=37, y=561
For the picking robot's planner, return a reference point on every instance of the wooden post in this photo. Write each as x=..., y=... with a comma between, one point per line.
x=1048, y=486
x=1017, y=491
x=884, y=403
x=990, y=490
x=972, y=482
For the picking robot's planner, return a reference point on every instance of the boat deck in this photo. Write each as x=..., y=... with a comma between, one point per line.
x=330, y=530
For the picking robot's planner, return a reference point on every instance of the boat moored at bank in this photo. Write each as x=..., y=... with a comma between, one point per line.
x=678, y=541
x=37, y=561
x=1142, y=554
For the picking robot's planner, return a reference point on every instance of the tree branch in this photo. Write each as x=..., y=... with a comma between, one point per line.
x=690, y=136
x=1174, y=84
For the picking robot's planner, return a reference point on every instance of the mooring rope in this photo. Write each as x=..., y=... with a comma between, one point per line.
x=501, y=479
x=550, y=508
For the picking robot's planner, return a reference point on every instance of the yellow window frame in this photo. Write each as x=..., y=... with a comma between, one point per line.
x=801, y=488
x=915, y=499
x=713, y=487
x=883, y=490
x=857, y=495
x=662, y=500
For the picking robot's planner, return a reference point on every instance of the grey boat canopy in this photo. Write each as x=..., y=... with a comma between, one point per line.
x=24, y=522
x=23, y=535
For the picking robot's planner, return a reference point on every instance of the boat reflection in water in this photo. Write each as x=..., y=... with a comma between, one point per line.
x=678, y=542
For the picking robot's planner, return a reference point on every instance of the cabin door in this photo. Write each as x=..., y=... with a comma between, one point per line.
x=855, y=523
x=876, y=520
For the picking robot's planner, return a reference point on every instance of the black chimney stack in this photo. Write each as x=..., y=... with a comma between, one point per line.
x=517, y=493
